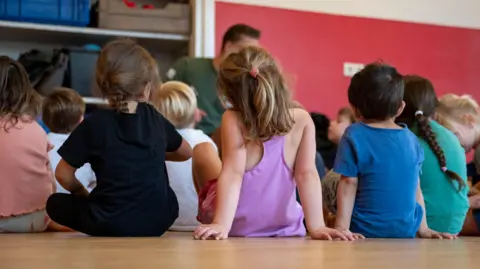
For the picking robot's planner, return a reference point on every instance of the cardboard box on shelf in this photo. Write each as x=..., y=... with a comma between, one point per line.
x=146, y=15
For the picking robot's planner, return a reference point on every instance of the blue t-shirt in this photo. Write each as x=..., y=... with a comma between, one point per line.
x=387, y=164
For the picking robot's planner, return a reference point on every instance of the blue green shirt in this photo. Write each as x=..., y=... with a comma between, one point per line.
x=446, y=207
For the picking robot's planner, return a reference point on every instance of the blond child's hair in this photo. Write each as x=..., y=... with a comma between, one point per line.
x=177, y=102
x=453, y=108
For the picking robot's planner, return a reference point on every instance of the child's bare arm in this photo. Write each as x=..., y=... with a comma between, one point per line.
x=307, y=179
x=346, y=193
x=229, y=181
x=65, y=175
x=421, y=202
x=308, y=183
x=183, y=153
x=234, y=161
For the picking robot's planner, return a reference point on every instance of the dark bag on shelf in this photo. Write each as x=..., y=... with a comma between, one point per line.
x=46, y=71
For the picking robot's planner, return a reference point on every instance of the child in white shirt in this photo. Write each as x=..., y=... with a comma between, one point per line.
x=177, y=103
x=63, y=110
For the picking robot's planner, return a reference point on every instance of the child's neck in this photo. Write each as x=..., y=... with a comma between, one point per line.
x=385, y=124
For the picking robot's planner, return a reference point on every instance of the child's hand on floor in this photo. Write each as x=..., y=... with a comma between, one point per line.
x=326, y=233
x=431, y=234
x=349, y=235
x=210, y=231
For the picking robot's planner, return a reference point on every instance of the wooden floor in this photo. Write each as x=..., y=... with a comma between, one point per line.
x=177, y=250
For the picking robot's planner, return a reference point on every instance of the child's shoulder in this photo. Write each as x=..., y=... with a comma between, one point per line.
x=195, y=137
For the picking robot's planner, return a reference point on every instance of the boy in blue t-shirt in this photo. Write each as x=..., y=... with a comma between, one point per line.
x=379, y=161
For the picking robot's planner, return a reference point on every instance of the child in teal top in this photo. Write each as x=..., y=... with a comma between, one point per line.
x=444, y=173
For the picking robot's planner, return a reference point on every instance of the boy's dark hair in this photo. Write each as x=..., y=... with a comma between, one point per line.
x=421, y=103
x=236, y=32
x=62, y=110
x=18, y=100
x=376, y=91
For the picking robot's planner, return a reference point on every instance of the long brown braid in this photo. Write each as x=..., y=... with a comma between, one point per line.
x=429, y=136
x=421, y=103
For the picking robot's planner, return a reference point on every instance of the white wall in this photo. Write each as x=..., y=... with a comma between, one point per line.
x=459, y=13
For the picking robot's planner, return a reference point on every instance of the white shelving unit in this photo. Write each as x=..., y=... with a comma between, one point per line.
x=18, y=37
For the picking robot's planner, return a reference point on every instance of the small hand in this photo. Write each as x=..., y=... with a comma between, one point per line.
x=431, y=234
x=474, y=201
x=349, y=235
x=199, y=114
x=210, y=231
x=50, y=147
x=326, y=233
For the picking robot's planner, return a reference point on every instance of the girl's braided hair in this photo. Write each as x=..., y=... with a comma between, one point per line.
x=421, y=103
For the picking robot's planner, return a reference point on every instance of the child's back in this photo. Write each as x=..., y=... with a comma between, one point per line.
x=26, y=178
x=379, y=162
x=387, y=163
x=446, y=206
x=267, y=148
x=181, y=181
x=268, y=187
x=177, y=102
x=63, y=110
x=444, y=175
x=126, y=152
x=126, y=146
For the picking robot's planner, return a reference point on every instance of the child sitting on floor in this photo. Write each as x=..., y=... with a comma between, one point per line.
x=26, y=179
x=379, y=161
x=444, y=171
x=63, y=110
x=126, y=147
x=178, y=104
x=267, y=148
x=461, y=114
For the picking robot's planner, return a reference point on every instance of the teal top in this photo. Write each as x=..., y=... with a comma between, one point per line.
x=201, y=75
x=446, y=207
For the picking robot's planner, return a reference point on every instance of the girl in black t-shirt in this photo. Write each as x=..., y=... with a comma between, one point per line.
x=126, y=146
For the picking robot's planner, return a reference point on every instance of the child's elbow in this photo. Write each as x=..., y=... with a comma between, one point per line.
x=183, y=153
x=306, y=176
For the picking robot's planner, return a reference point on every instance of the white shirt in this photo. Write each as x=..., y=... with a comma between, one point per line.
x=181, y=181
x=84, y=174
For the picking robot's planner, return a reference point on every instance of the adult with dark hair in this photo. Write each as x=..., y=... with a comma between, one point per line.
x=201, y=74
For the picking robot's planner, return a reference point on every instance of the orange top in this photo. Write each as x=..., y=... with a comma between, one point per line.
x=25, y=180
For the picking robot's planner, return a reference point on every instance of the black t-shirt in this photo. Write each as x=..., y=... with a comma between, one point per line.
x=127, y=154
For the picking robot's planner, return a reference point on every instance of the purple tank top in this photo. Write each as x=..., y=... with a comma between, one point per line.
x=267, y=205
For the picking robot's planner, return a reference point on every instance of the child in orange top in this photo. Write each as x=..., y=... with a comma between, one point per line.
x=26, y=179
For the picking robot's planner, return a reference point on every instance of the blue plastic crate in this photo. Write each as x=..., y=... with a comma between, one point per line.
x=63, y=12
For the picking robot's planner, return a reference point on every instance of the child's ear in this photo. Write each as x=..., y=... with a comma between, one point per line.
x=400, y=109
x=81, y=119
x=469, y=119
x=356, y=112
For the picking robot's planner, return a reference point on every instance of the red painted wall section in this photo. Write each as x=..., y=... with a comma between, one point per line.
x=312, y=47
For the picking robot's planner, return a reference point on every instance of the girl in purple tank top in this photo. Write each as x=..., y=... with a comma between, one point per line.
x=267, y=149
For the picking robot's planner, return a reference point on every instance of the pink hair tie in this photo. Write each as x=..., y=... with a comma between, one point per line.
x=444, y=169
x=254, y=72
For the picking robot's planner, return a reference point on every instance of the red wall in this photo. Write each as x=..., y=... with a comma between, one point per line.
x=312, y=47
